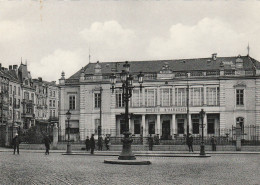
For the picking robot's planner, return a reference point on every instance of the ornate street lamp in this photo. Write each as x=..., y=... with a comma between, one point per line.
x=202, y=146
x=68, y=115
x=127, y=87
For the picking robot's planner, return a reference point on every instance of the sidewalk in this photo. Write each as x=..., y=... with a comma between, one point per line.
x=137, y=153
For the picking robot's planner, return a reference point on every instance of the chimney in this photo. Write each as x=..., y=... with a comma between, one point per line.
x=214, y=56
x=10, y=67
x=40, y=79
x=15, y=67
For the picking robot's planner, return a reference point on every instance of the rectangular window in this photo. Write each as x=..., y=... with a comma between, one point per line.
x=151, y=128
x=53, y=113
x=122, y=126
x=53, y=103
x=32, y=96
x=196, y=95
x=97, y=97
x=14, y=103
x=11, y=89
x=240, y=96
x=50, y=104
x=11, y=101
x=15, y=90
x=50, y=93
x=150, y=97
x=136, y=100
x=212, y=96
x=211, y=126
x=72, y=102
x=180, y=96
x=53, y=93
x=119, y=99
x=195, y=125
x=137, y=127
x=166, y=97
x=180, y=126
x=19, y=91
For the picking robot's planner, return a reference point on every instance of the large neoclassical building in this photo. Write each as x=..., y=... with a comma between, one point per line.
x=226, y=88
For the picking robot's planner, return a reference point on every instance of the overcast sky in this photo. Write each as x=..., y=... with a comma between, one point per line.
x=56, y=36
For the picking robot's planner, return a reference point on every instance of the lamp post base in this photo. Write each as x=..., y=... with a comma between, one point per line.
x=202, y=149
x=127, y=153
x=68, y=148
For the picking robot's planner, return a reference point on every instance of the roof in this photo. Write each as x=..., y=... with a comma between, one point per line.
x=155, y=66
x=11, y=74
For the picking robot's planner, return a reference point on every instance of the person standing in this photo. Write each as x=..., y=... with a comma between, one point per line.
x=47, y=143
x=213, y=143
x=16, y=142
x=87, y=143
x=150, y=141
x=190, y=142
x=107, y=140
x=100, y=143
x=92, y=144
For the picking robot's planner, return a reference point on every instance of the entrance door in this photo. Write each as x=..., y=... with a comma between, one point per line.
x=166, y=131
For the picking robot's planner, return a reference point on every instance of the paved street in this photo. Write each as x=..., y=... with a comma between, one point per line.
x=37, y=168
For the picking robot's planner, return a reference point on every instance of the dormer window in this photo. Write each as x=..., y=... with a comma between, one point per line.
x=97, y=68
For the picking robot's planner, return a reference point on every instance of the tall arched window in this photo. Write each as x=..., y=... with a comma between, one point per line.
x=240, y=122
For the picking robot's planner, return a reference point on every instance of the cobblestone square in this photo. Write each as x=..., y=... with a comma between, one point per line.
x=37, y=168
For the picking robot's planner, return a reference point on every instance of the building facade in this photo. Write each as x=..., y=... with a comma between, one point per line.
x=54, y=102
x=25, y=102
x=4, y=103
x=47, y=100
x=28, y=96
x=226, y=88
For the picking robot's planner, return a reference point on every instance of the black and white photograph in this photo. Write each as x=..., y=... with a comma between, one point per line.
x=134, y=92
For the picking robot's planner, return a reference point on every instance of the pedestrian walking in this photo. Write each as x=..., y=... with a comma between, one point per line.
x=213, y=143
x=47, y=143
x=100, y=143
x=107, y=142
x=150, y=142
x=190, y=142
x=92, y=144
x=16, y=142
x=87, y=143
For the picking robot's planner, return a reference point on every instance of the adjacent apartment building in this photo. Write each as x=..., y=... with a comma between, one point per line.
x=25, y=101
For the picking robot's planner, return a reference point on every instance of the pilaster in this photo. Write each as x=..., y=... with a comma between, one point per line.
x=82, y=111
x=158, y=124
x=143, y=125
x=173, y=125
x=257, y=108
x=222, y=104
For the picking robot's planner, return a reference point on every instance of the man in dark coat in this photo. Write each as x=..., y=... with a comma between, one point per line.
x=47, y=142
x=16, y=142
x=100, y=143
x=92, y=144
x=107, y=140
x=213, y=143
x=87, y=143
x=190, y=142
